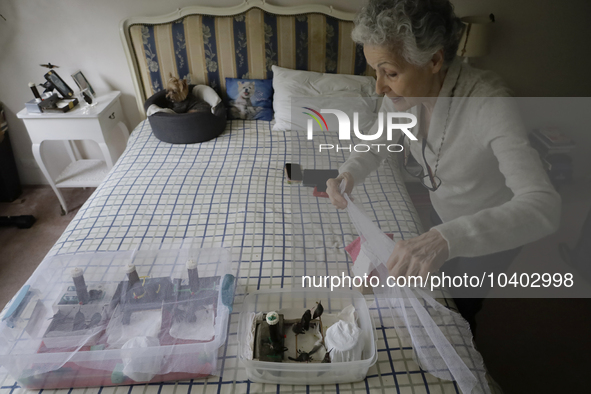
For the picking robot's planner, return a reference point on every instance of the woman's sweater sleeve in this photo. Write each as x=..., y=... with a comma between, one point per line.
x=534, y=210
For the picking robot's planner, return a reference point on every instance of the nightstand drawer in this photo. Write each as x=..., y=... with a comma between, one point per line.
x=111, y=116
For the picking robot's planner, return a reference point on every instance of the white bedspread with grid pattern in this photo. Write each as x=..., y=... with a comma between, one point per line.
x=231, y=192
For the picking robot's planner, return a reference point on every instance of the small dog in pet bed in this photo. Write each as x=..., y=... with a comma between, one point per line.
x=177, y=92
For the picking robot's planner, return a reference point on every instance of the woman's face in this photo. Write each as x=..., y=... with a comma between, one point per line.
x=404, y=83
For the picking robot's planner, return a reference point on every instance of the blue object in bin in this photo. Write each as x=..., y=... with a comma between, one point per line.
x=117, y=376
x=228, y=291
x=14, y=306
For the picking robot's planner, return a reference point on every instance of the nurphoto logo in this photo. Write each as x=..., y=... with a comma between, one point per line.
x=345, y=129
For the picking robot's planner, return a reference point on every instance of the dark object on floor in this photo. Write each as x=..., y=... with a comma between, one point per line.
x=10, y=187
x=580, y=256
x=318, y=311
x=23, y=221
x=188, y=128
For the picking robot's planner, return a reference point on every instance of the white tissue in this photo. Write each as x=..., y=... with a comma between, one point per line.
x=348, y=314
x=141, y=369
x=343, y=340
x=201, y=330
x=142, y=323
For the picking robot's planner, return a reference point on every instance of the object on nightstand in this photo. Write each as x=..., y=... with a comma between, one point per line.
x=35, y=106
x=83, y=84
x=35, y=91
x=51, y=103
x=87, y=96
x=554, y=147
x=61, y=106
x=59, y=84
x=49, y=66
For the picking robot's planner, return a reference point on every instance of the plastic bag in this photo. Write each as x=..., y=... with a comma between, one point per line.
x=441, y=339
x=141, y=369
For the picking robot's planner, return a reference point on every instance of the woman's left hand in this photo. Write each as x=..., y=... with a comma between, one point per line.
x=418, y=256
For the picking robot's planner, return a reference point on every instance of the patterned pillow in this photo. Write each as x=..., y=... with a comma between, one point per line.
x=250, y=98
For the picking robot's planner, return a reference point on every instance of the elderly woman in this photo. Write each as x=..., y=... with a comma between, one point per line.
x=486, y=183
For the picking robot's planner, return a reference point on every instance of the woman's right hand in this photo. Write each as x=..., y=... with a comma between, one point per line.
x=333, y=189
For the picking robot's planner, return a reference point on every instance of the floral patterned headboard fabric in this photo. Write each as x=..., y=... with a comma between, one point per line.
x=212, y=48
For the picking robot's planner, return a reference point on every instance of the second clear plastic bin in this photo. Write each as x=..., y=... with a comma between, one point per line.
x=305, y=373
x=80, y=321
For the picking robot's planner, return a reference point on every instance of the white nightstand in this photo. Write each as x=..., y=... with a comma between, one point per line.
x=103, y=124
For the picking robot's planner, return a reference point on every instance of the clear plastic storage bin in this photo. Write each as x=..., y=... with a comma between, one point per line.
x=305, y=373
x=110, y=318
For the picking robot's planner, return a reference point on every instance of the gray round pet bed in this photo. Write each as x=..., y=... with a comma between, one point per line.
x=186, y=128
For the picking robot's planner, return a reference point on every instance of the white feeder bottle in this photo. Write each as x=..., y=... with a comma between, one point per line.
x=272, y=320
x=132, y=275
x=80, y=284
x=193, y=275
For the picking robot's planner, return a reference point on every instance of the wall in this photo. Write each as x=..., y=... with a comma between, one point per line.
x=537, y=47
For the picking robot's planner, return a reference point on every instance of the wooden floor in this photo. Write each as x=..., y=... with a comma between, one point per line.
x=528, y=345
x=21, y=250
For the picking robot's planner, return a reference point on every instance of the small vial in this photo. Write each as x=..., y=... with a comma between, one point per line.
x=132, y=275
x=193, y=275
x=272, y=320
x=80, y=284
x=35, y=92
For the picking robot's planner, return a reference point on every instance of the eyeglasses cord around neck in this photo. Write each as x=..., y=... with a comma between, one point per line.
x=433, y=178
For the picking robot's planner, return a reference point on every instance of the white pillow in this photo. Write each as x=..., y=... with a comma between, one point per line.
x=348, y=93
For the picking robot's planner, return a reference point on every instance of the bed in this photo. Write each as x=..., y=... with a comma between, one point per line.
x=231, y=192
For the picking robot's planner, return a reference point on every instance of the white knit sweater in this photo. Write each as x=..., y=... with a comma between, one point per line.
x=494, y=193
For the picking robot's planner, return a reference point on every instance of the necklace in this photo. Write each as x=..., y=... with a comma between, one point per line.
x=434, y=180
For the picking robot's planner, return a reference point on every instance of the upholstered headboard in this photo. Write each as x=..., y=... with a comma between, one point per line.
x=210, y=44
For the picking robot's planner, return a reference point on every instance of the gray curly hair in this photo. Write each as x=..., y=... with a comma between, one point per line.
x=415, y=29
